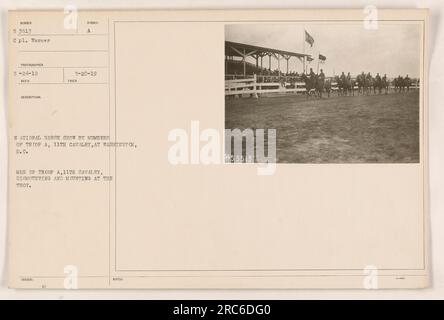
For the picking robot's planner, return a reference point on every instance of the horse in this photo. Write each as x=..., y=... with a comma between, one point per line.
x=407, y=83
x=349, y=86
x=377, y=84
x=310, y=85
x=319, y=85
x=316, y=86
x=399, y=84
x=368, y=84
x=360, y=79
x=327, y=87
x=385, y=84
x=340, y=85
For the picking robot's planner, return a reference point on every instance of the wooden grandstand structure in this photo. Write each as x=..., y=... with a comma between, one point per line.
x=242, y=50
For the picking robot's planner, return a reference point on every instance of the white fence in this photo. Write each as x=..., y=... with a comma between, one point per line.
x=251, y=87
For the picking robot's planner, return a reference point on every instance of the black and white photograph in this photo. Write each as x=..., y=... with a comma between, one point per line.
x=333, y=92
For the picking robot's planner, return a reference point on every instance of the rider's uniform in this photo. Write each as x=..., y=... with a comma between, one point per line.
x=312, y=75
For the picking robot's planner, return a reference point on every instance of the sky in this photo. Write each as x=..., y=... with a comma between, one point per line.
x=393, y=48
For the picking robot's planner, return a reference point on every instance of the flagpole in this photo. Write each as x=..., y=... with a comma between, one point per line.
x=317, y=70
x=303, y=50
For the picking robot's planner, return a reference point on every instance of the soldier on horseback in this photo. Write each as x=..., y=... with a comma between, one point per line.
x=325, y=83
x=322, y=75
x=385, y=83
x=368, y=82
x=309, y=82
x=320, y=83
x=407, y=82
x=399, y=83
x=312, y=75
x=349, y=85
x=378, y=83
x=360, y=79
x=341, y=83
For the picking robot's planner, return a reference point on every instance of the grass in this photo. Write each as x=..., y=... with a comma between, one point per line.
x=359, y=129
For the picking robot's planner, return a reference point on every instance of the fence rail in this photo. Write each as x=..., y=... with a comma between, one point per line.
x=252, y=87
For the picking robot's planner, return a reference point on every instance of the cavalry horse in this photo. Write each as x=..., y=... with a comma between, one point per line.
x=320, y=84
x=360, y=80
x=385, y=84
x=349, y=86
x=377, y=84
x=327, y=87
x=315, y=86
x=407, y=83
x=398, y=84
x=310, y=85
x=368, y=84
x=340, y=85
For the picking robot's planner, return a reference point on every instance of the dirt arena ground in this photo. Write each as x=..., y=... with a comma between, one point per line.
x=359, y=129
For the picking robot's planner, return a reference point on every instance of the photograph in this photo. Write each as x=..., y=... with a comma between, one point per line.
x=218, y=160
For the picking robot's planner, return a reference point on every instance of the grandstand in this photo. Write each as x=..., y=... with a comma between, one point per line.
x=236, y=64
x=235, y=68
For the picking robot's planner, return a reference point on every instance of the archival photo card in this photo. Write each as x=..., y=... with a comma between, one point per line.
x=222, y=149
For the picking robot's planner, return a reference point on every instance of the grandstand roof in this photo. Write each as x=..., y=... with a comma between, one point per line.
x=230, y=46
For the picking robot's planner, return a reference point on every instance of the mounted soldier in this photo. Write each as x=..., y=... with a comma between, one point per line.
x=349, y=85
x=385, y=83
x=361, y=79
x=320, y=82
x=407, y=82
x=312, y=75
x=368, y=82
x=378, y=83
x=309, y=84
x=399, y=83
x=341, y=83
x=322, y=75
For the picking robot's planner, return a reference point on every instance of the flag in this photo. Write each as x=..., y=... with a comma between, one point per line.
x=309, y=38
x=309, y=58
x=322, y=58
